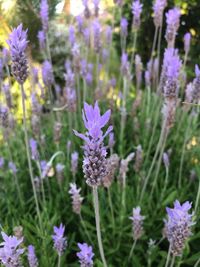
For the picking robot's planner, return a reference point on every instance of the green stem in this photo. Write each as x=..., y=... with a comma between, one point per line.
x=59, y=260
x=172, y=263
x=197, y=198
x=28, y=155
x=111, y=208
x=168, y=257
x=132, y=249
x=97, y=219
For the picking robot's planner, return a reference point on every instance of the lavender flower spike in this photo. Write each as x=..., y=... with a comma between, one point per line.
x=124, y=27
x=187, y=40
x=59, y=240
x=158, y=9
x=32, y=259
x=34, y=150
x=137, y=220
x=44, y=14
x=74, y=163
x=178, y=226
x=173, y=23
x=85, y=255
x=42, y=40
x=94, y=163
x=9, y=251
x=18, y=44
x=47, y=73
x=76, y=198
x=136, y=10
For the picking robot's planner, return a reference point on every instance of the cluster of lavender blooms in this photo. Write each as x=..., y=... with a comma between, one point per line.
x=94, y=164
x=76, y=198
x=59, y=240
x=85, y=255
x=178, y=226
x=137, y=220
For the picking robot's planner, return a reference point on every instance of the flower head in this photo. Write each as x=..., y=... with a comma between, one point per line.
x=137, y=220
x=34, y=150
x=124, y=26
x=12, y=167
x=42, y=40
x=1, y=162
x=32, y=259
x=187, y=40
x=47, y=73
x=178, y=226
x=94, y=164
x=76, y=198
x=158, y=8
x=136, y=10
x=9, y=251
x=173, y=23
x=59, y=240
x=74, y=162
x=18, y=43
x=85, y=255
x=44, y=14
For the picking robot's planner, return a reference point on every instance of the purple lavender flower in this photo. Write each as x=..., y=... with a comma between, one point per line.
x=138, y=70
x=97, y=36
x=74, y=163
x=32, y=259
x=44, y=14
x=9, y=251
x=4, y=116
x=111, y=141
x=59, y=240
x=36, y=106
x=136, y=10
x=125, y=66
x=124, y=27
x=12, y=167
x=173, y=23
x=76, y=198
x=69, y=76
x=87, y=12
x=34, y=149
x=42, y=40
x=195, y=92
x=5, y=56
x=94, y=163
x=85, y=255
x=47, y=73
x=137, y=220
x=178, y=226
x=80, y=21
x=158, y=8
x=147, y=76
x=86, y=35
x=1, y=68
x=71, y=99
x=170, y=81
x=96, y=7
x=72, y=37
x=18, y=44
x=187, y=40
x=166, y=160
x=6, y=91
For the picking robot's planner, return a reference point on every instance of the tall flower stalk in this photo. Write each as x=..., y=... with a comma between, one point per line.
x=18, y=44
x=94, y=163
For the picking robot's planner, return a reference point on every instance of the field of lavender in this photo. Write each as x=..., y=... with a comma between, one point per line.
x=103, y=171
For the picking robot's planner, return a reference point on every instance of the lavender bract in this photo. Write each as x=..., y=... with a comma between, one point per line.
x=85, y=255
x=18, y=44
x=94, y=163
